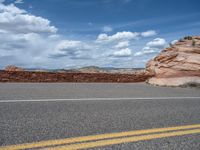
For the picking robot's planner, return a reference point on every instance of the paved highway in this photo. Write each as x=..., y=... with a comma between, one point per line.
x=60, y=115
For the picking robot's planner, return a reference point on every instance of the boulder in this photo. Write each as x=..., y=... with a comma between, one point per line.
x=13, y=68
x=176, y=65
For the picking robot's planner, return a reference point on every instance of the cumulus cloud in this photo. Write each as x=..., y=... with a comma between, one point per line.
x=107, y=29
x=25, y=49
x=122, y=44
x=126, y=52
x=31, y=41
x=25, y=38
x=146, y=51
x=18, y=20
x=66, y=45
x=125, y=35
x=122, y=36
x=152, y=47
x=157, y=43
x=73, y=49
x=10, y=9
x=148, y=33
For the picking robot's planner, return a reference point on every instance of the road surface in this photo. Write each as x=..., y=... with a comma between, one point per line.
x=47, y=115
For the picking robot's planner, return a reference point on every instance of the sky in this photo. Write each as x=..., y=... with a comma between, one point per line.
x=55, y=34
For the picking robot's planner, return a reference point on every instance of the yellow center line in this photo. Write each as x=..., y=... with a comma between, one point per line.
x=124, y=140
x=95, y=137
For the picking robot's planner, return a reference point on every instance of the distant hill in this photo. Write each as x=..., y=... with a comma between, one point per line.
x=95, y=69
x=88, y=69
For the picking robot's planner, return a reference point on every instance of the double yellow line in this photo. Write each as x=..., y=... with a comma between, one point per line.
x=108, y=139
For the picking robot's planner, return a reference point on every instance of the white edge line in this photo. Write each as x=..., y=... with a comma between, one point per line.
x=93, y=99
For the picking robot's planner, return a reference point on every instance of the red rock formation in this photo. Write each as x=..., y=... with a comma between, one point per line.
x=13, y=68
x=177, y=65
x=26, y=76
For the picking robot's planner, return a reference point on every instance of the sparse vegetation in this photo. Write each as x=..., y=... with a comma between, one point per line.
x=188, y=38
x=193, y=43
x=180, y=40
x=191, y=85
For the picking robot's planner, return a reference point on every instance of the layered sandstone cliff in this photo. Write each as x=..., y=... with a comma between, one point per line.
x=177, y=65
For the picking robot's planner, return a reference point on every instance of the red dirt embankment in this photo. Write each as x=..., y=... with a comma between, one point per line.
x=26, y=76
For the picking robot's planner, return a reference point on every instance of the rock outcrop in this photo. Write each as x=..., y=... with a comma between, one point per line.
x=177, y=65
x=13, y=68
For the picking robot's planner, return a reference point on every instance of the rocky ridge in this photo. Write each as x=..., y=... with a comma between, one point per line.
x=177, y=65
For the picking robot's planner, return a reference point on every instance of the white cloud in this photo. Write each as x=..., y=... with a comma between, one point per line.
x=148, y=33
x=24, y=48
x=126, y=52
x=19, y=1
x=145, y=51
x=157, y=43
x=107, y=29
x=18, y=20
x=152, y=47
x=122, y=44
x=25, y=39
x=73, y=49
x=65, y=45
x=174, y=41
x=5, y=9
x=125, y=35
x=68, y=45
x=31, y=41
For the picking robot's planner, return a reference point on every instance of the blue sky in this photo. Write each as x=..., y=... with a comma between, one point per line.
x=106, y=33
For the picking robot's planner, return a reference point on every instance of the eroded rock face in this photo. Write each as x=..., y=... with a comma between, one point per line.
x=27, y=76
x=13, y=68
x=176, y=65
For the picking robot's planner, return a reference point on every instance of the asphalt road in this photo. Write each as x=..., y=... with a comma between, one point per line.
x=131, y=107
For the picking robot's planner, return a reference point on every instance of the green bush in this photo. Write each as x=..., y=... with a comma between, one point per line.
x=193, y=43
x=188, y=38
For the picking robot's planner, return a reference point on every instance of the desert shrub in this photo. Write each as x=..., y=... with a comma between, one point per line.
x=188, y=38
x=191, y=84
x=193, y=43
x=181, y=40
